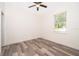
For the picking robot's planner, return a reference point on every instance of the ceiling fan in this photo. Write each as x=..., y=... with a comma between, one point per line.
x=38, y=4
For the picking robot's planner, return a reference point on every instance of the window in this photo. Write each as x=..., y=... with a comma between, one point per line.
x=60, y=21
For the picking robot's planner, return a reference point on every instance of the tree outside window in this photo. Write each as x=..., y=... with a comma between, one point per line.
x=60, y=21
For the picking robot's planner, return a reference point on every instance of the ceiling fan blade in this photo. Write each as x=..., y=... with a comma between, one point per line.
x=37, y=8
x=31, y=6
x=43, y=5
x=37, y=2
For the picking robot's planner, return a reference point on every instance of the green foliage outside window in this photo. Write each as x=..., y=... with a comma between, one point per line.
x=60, y=20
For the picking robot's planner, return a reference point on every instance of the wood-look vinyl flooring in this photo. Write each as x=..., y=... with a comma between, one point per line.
x=38, y=47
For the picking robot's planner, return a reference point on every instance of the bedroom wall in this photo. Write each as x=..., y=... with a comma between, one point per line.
x=71, y=36
x=21, y=23
x=1, y=8
x=0, y=32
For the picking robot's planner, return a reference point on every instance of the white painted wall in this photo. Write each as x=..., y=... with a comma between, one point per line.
x=71, y=36
x=0, y=32
x=1, y=8
x=21, y=23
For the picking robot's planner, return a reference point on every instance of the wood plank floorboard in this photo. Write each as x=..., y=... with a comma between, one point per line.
x=38, y=47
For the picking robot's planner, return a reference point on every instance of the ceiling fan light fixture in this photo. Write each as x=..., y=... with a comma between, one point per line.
x=37, y=5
